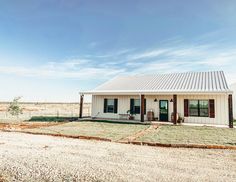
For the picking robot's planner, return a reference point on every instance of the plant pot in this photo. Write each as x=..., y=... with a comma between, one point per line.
x=131, y=117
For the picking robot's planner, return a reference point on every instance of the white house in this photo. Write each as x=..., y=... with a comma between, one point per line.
x=198, y=97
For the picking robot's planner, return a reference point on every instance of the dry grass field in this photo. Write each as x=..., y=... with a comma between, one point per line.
x=31, y=109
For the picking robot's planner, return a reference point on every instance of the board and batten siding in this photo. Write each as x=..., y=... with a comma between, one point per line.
x=221, y=107
x=124, y=105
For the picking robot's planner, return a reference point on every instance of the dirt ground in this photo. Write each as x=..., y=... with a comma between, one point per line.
x=26, y=125
x=26, y=157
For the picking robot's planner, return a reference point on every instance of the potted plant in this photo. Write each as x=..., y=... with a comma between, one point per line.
x=130, y=115
x=180, y=120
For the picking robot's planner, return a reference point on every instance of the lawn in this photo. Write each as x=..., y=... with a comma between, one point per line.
x=169, y=134
x=166, y=134
x=113, y=131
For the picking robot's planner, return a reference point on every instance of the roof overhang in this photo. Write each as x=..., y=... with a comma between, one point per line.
x=151, y=92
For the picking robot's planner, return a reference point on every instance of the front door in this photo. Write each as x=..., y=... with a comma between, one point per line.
x=163, y=106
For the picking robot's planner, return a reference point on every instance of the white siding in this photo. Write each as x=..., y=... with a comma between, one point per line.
x=221, y=107
x=123, y=106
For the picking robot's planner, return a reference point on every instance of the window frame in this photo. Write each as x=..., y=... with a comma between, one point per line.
x=199, y=109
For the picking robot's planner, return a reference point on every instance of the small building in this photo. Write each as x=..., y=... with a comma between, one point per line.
x=196, y=97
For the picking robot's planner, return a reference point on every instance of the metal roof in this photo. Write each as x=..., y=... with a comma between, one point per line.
x=213, y=81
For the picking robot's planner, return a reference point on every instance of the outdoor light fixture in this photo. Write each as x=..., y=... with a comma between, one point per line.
x=171, y=100
x=155, y=100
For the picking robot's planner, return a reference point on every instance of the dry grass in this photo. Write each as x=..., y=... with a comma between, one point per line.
x=112, y=131
x=165, y=134
x=26, y=125
x=191, y=135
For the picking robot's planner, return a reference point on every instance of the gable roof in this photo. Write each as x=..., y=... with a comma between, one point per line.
x=192, y=82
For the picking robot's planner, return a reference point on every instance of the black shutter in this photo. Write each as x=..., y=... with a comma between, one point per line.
x=144, y=106
x=212, y=108
x=185, y=107
x=105, y=106
x=115, y=105
x=131, y=106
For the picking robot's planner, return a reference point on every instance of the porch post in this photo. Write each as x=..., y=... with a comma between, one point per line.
x=175, y=108
x=231, y=119
x=142, y=108
x=81, y=106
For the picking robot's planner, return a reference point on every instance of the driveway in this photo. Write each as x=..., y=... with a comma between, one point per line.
x=26, y=157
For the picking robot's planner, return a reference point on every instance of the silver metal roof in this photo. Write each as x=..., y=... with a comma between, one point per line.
x=196, y=82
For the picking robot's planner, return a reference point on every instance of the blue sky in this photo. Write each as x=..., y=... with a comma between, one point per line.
x=52, y=49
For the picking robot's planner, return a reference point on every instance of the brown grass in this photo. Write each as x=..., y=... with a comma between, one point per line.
x=27, y=125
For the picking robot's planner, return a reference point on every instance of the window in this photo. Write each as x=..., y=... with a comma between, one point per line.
x=136, y=106
x=110, y=105
x=198, y=108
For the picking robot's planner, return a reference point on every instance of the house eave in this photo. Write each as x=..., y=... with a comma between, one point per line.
x=153, y=92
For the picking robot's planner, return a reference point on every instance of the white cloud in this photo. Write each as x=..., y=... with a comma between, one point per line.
x=147, y=54
x=71, y=69
x=181, y=58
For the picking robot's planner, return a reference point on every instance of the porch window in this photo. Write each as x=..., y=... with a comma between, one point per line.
x=110, y=105
x=135, y=106
x=199, y=108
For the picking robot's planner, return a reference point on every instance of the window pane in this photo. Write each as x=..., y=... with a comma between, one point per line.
x=193, y=107
x=110, y=109
x=204, y=112
x=193, y=112
x=137, y=109
x=136, y=102
x=163, y=107
x=193, y=104
x=203, y=105
x=110, y=101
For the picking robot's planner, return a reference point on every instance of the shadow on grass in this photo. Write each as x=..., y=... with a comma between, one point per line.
x=70, y=119
x=117, y=122
x=52, y=119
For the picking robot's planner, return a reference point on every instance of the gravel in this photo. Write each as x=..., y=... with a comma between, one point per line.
x=25, y=157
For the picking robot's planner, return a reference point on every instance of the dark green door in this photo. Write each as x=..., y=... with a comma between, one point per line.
x=163, y=105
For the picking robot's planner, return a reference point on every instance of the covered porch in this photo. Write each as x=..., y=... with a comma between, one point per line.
x=138, y=105
x=165, y=107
